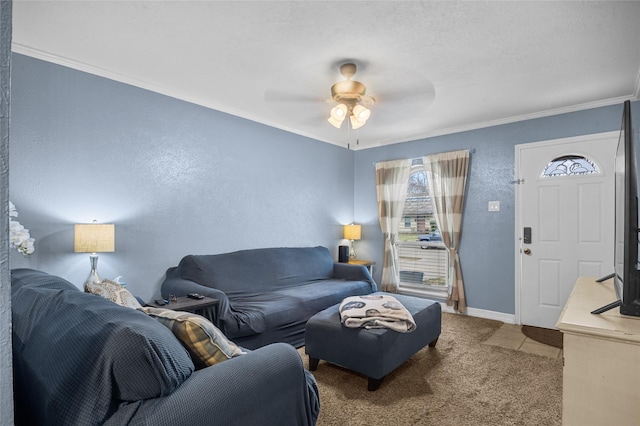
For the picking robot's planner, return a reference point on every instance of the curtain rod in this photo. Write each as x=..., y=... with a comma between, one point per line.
x=471, y=151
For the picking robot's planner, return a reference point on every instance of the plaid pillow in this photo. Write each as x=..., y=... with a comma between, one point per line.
x=205, y=343
x=113, y=291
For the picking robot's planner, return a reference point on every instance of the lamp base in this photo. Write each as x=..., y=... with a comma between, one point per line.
x=93, y=277
x=352, y=252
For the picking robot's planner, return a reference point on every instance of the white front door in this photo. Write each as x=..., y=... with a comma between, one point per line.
x=564, y=222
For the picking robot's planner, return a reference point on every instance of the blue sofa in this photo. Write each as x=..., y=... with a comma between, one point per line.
x=267, y=295
x=80, y=359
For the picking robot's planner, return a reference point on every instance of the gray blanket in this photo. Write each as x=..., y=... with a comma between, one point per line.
x=376, y=311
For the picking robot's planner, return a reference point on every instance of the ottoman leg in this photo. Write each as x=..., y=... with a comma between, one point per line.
x=374, y=384
x=313, y=363
x=433, y=344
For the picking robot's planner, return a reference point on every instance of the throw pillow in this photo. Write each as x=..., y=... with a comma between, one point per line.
x=115, y=292
x=206, y=344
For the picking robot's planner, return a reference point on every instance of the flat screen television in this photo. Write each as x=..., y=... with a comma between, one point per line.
x=626, y=276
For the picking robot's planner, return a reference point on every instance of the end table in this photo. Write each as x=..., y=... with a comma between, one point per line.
x=366, y=263
x=195, y=306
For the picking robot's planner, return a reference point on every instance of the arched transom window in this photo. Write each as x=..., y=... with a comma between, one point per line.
x=570, y=165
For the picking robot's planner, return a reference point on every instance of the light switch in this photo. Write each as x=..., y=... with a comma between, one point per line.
x=494, y=206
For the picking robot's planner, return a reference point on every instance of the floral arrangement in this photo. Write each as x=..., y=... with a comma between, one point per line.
x=19, y=236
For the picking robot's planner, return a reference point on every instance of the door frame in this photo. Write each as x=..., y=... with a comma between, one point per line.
x=518, y=203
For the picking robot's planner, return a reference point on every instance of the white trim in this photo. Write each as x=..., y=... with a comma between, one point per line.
x=147, y=85
x=482, y=313
x=127, y=79
x=472, y=312
x=518, y=201
x=513, y=119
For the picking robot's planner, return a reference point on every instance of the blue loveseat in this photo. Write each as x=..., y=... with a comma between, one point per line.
x=80, y=359
x=267, y=295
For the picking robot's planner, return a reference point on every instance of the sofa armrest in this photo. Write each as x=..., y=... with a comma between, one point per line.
x=174, y=284
x=268, y=386
x=354, y=273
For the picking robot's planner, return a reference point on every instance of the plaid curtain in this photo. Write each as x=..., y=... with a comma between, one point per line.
x=447, y=178
x=392, y=180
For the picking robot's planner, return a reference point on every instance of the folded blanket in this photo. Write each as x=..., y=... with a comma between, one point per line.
x=376, y=311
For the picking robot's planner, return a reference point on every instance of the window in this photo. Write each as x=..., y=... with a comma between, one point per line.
x=422, y=257
x=418, y=213
x=570, y=165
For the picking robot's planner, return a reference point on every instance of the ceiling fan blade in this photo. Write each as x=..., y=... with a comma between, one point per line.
x=272, y=96
x=422, y=93
x=368, y=101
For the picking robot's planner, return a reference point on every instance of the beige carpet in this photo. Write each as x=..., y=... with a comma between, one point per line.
x=459, y=382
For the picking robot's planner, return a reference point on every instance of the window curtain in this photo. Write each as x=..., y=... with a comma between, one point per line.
x=392, y=180
x=447, y=178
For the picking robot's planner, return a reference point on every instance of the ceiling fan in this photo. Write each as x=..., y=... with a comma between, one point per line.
x=391, y=100
x=351, y=98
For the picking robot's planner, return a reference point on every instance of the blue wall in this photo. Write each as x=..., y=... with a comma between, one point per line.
x=175, y=178
x=487, y=247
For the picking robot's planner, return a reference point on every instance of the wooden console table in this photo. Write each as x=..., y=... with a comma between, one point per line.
x=601, y=372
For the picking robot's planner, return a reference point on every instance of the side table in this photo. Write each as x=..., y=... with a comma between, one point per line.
x=366, y=263
x=196, y=306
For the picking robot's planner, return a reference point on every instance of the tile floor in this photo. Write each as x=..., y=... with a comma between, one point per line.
x=509, y=336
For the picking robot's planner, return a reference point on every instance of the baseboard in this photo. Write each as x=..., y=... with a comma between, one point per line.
x=472, y=312
x=483, y=313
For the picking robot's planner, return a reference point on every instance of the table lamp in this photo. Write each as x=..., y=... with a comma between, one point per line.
x=352, y=232
x=94, y=238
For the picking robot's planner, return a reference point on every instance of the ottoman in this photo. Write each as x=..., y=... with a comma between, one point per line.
x=374, y=352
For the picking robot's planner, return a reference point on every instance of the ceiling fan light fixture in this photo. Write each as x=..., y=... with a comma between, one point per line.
x=338, y=114
x=361, y=113
x=359, y=116
x=355, y=124
x=348, y=94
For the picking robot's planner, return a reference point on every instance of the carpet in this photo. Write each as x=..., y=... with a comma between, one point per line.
x=459, y=382
x=543, y=335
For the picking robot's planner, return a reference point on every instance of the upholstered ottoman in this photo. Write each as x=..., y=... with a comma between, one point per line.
x=374, y=352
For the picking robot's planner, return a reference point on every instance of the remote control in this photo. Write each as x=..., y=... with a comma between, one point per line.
x=195, y=296
x=160, y=302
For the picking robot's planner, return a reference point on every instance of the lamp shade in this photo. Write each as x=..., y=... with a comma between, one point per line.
x=94, y=238
x=359, y=117
x=352, y=232
x=338, y=114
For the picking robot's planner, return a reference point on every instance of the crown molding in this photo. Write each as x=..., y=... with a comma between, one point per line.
x=127, y=79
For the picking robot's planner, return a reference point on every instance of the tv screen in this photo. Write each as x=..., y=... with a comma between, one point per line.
x=626, y=220
x=626, y=275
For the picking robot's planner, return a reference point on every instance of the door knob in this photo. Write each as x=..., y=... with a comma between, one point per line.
x=527, y=251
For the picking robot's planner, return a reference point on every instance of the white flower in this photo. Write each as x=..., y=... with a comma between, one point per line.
x=12, y=210
x=19, y=237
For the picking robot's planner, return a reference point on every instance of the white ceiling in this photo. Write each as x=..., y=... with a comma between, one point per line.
x=433, y=67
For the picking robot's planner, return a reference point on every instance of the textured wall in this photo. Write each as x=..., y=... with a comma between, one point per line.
x=6, y=372
x=175, y=178
x=487, y=248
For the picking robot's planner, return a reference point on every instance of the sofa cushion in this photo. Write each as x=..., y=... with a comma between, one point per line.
x=113, y=291
x=281, y=309
x=206, y=344
x=78, y=356
x=258, y=270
